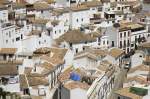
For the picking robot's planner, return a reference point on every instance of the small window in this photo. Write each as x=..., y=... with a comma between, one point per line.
x=77, y=20
x=18, y=38
x=70, y=44
x=128, y=33
x=124, y=34
x=59, y=31
x=103, y=42
x=82, y=19
x=6, y=41
x=41, y=92
x=120, y=35
x=9, y=34
x=30, y=57
x=40, y=35
x=21, y=36
x=76, y=50
x=83, y=48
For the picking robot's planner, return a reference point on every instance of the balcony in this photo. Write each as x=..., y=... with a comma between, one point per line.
x=95, y=20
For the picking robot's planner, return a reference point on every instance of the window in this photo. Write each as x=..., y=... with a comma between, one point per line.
x=118, y=8
x=21, y=36
x=18, y=38
x=26, y=91
x=39, y=42
x=99, y=39
x=128, y=50
x=9, y=34
x=124, y=43
x=82, y=19
x=76, y=50
x=113, y=43
x=124, y=34
x=139, y=36
x=103, y=42
x=128, y=43
x=41, y=92
x=59, y=31
x=120, y=35
x=6, y=41
x=83, y=48
x=120, y=44
x=128, y=33
x=40, y=35
x=55, y=32
x=77, y=20
x=70, y=44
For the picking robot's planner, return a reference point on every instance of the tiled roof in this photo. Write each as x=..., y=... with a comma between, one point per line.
x=39, y=21
x=138, y=79
x=139, y=68
x=145, y=45
x=104, y=66
x=127, y=93
x=75, y=84
x=75, y=36
x=52, y=57
x=65, y=75
x=116, y=52
x=8, y=50
x=34, y=32
x=92, y=3
x=91, y=53
x=8, y=70
x=35, y=81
